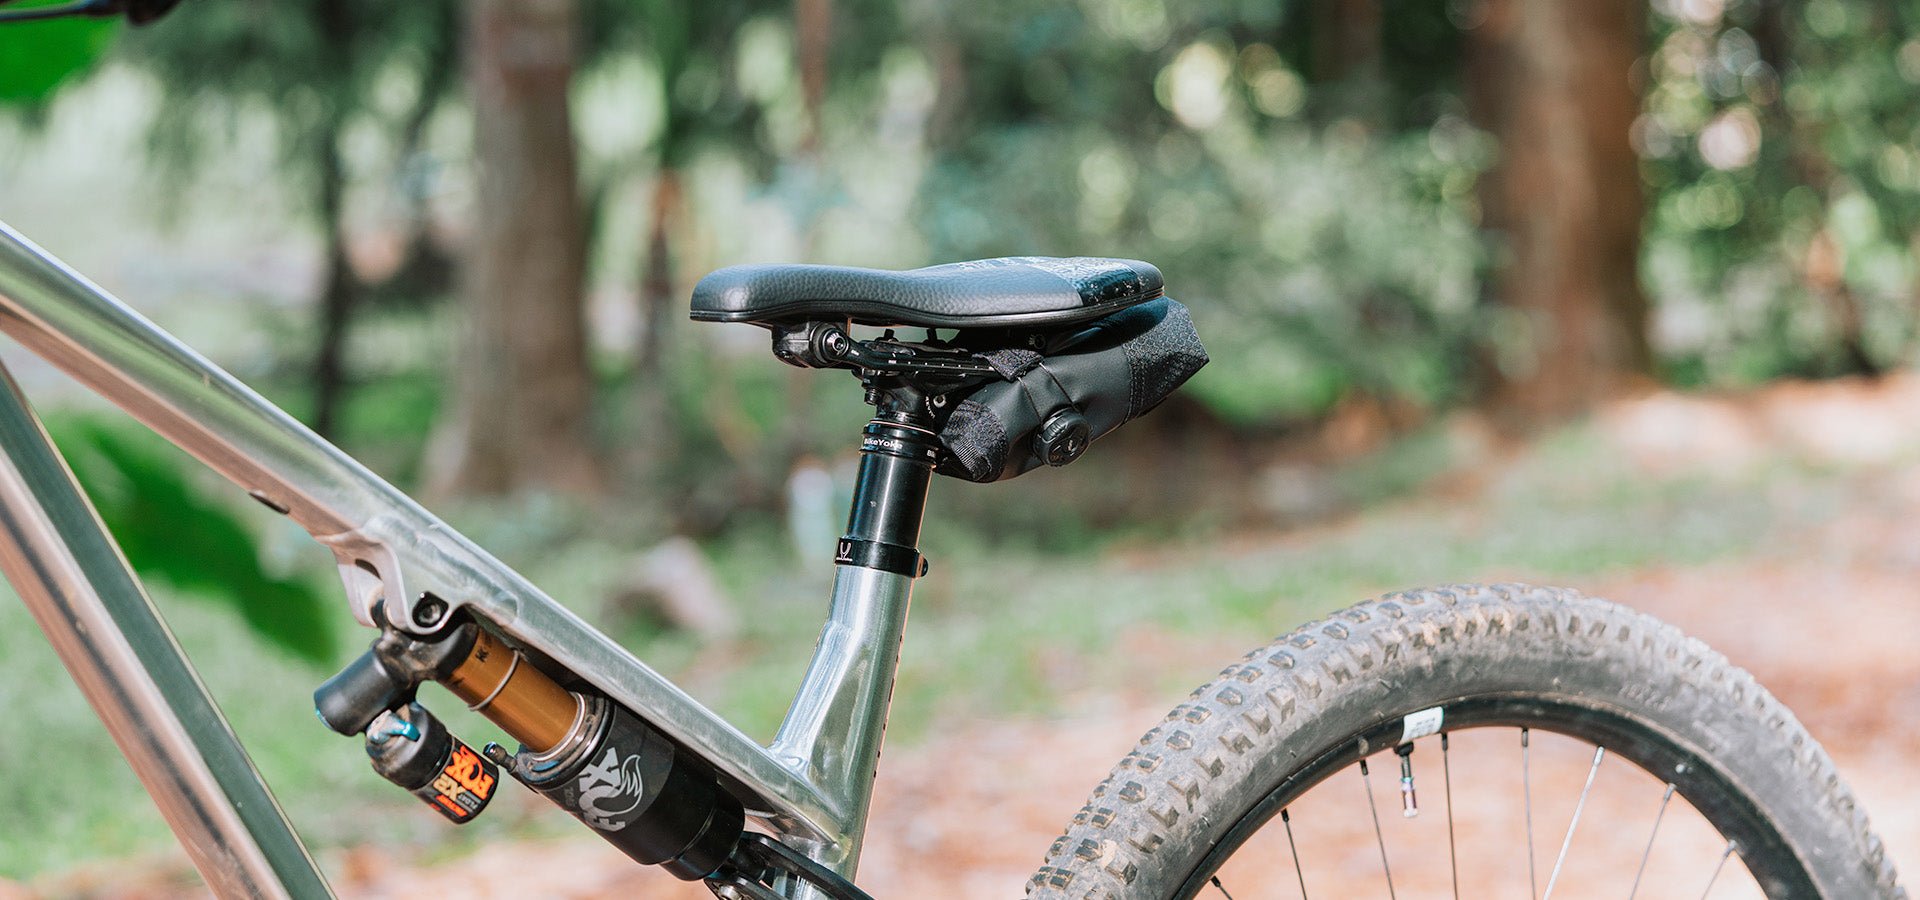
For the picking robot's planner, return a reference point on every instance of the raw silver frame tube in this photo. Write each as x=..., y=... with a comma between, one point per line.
x=389, y=547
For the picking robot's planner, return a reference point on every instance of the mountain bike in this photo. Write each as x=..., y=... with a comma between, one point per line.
x=1234, y=792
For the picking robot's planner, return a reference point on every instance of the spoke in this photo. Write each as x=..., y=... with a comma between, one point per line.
x=1599, y=753
x=1716, y=870
x=1650, y=836
x=1286, y=821
x=1221, y=887
x=1446, y=775
x=1526, y=791
x=1377, y=835
x=1409, y=800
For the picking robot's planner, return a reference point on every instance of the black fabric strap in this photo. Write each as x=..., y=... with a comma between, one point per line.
x=1044, y=392
x=1011, y=363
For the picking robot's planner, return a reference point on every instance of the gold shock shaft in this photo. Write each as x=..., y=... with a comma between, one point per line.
x=496, y=681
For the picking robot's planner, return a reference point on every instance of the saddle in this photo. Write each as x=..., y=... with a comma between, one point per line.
x=1050, y=353
x=1027, y=292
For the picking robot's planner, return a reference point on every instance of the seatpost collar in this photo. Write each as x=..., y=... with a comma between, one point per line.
x=909, y=442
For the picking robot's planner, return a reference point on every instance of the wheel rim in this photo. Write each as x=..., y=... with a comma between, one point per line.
x=1706, y=787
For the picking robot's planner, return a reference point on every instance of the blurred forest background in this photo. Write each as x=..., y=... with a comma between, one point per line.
x=457, y=238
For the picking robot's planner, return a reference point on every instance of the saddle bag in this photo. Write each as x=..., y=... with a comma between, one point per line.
x=1070, y=389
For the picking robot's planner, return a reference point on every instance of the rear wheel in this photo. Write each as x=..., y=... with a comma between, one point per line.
x=1553, y=745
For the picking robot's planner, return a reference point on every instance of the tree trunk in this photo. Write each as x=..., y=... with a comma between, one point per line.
x=813, y=47
x=656, y=283
x=1822, y=262
x=339, y=291
x=1346, y=62
x=523, y=386
x=427, y=271
x=1550, y=80
x=813, y=39
x=650, y=448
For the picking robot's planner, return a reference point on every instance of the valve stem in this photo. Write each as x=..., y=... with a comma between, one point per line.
x=1409, y=803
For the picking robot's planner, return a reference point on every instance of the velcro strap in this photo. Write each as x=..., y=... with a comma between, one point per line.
x=1011, y=363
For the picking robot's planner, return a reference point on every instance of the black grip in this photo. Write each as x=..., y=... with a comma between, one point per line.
x=140, y=12
x=347, y=702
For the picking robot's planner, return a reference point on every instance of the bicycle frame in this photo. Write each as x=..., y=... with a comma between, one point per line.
x=812, y=785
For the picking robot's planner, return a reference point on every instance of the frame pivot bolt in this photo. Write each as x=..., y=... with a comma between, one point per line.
x=429, y=611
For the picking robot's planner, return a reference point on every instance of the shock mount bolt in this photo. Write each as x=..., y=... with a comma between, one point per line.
x=429, y=611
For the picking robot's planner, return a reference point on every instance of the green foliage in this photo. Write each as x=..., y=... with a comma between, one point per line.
x=1780, y=147
x=1320, y=258
x=688, y=48
x=172, y=531
x=1322, y=226
x=317, y=67
x=737, y=432
x=36, y=58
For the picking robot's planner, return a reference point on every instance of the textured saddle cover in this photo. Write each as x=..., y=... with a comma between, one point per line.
x=1009, y=292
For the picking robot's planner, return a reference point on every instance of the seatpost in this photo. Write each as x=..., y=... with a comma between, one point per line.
x=833, y=731
x=897, y=455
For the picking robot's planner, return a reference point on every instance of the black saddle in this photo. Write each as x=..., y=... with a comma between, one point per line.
x=1010, y=292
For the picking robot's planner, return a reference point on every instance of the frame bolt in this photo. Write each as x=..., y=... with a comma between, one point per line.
x=429, y=611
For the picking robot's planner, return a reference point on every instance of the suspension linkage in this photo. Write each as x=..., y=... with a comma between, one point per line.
x=758, y=858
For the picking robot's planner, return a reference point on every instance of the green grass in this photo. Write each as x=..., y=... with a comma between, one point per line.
x=998, y=628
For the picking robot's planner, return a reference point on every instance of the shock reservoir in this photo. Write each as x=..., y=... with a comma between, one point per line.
x=605, y=766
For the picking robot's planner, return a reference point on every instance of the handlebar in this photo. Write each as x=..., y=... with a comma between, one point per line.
x=139, y=12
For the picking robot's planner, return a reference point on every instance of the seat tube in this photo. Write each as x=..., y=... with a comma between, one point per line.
x=834, y=729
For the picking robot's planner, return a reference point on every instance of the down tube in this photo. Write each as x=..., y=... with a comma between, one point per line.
x=113, y=642
x=368, y=524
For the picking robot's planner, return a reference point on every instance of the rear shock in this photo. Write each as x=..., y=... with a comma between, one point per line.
x=620, y=776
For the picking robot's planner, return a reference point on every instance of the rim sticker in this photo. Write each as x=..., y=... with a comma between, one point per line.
x=1421, y=724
